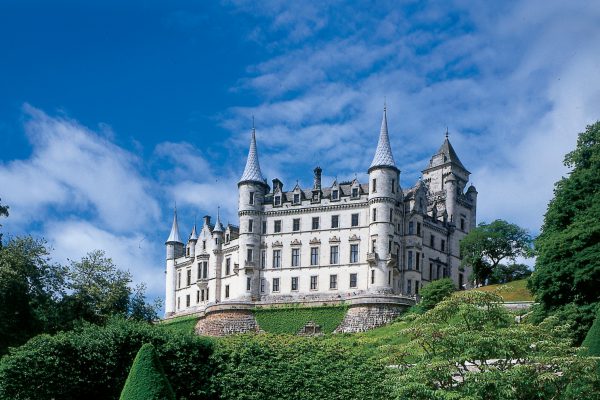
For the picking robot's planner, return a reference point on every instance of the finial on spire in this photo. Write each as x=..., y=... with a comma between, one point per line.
x=383, y=154
x=218, y=226
x=384, y=103
x=446, y=131
x=252, y=171
x=253, y=128
x=174, y=235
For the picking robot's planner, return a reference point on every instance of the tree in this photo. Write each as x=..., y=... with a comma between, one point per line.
x=487, y=245
x=30, y=286
x=3, y=212
x=567, y=268
x=592, y=339
x=469, y=347
x=508, y=273
x=146, y=379
x=435, y=292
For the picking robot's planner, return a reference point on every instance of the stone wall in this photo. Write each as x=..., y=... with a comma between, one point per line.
x=365, y=317
x=227, y=322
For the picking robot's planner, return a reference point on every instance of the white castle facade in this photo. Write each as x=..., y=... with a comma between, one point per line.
x=339, y=241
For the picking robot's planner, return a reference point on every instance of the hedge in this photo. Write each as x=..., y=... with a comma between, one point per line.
x=290, y=320
x=146, y=379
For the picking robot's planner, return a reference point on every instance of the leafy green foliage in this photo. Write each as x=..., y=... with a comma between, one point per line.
x=291, y=319
x=435, y=292
x=3, y=212
x=469, y=347
x=592, y=339
x=487, y=245
x=509, y=273
x=568, y=264
x=146, y=379
x=92, y=362
x=287, y=367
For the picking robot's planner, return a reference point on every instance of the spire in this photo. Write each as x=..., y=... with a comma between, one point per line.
x=449, y=154
x=194, y=235
x=383, y=154
x=218, y=226
x=174, y=236
x=252, y=171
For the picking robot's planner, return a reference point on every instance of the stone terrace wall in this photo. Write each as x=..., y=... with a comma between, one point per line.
x=363, y=318
x=227, y=322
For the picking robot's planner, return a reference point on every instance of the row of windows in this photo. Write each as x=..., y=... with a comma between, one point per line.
x=315, y=224
x=201, y=296
x=374, y=185
x=334, y=257
x=296, y=198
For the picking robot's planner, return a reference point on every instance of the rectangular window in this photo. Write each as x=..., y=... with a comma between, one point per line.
x=419, y=228
x=417, y=261
x=198, y=296
x=226, y=291
x=354, y=220
x=277, y=200
x=391, y=215
x=250, y=225
x=276, y=284
x=263, y=259
x=296, y=224
x=276, y=258
x=251, y=200
x=374, y=214
x=335, y=221
x=187, y=300
x=334, y=255
x=443, y=245
x=264, y=227
x=178, y=303
x=249, y=255
x=296, y=198
x=248, y=283
x=179, y=280
x=205, y=269
x=393, y=186
x=416, y=287
x=204, y=245
x=374, y=185
x=294, y=283
x=335, y=194
x=373, y=245
x=354, y=253
x=389, y=277
x=332, y=281
x=227, y=266
x=353, y=279
x=262, y=285
x=354, y=192
x=313, y=282
x=277, y=226
x=188, y=279
x=430, y=271
x=314, y=256
x=206, y=294
x=462, y=224
x=409, y=286
x=295, y=257
x=389, y=247
x=315, y=223
x=432, y=242
x=411, y=228
x=410, y=260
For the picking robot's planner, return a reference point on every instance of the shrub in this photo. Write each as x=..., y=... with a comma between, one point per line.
x=592, y=339
x=291, y=319
x=93, y=363
x=435, y=292
x=146, y=379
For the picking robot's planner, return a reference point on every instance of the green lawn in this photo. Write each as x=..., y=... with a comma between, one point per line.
x=184, y=324
x=514, y=291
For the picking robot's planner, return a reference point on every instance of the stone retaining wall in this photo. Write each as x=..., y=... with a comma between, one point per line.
x=363, y=318
x=227, y=322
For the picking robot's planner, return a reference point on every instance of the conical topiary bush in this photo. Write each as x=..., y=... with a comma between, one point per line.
x=146, y=379
x=592, y=339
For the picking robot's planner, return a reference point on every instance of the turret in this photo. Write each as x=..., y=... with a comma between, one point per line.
x=472, y=196
x=451, y=195
x=384, y=190
x=192, y=241
x=252, y=189
x=174, y=250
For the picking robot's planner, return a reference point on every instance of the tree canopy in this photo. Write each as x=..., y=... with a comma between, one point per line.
x=488, y=244
x=568, y=263
x=3, y=212
x=435, y=292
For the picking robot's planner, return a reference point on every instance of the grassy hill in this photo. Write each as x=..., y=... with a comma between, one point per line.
x=513, y=291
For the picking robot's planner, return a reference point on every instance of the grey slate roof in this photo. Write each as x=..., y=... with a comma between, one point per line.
x=193, y=235
x=383, y=153
x=449, y=154
x=174, y=236
x=252, y=171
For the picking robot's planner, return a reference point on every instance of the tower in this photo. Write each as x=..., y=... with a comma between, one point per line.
x=174, y=251
x=384, y=190
x=192, y=241
x=252, y=189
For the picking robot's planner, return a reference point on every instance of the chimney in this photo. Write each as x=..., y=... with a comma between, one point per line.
x=277, y=184
x=317, y=183
x=207, y=220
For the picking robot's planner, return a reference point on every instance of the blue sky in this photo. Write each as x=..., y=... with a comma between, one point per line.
x=111, y=113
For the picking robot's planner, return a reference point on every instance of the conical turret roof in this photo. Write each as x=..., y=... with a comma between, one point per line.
x=174, y=235
x=252, y=171
x=194, y=235
x=383, y=154
x=218, y=226
x=449, y=154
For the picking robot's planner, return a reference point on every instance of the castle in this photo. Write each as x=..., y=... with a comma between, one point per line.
x=335, y=242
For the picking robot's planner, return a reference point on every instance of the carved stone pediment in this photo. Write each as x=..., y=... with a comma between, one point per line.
x=296, y=242
x=334, y=239
x=354, y=238
x=315, y=241
x=277, y=243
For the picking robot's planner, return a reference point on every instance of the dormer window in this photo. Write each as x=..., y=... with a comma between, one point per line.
x=335, y=194
x=277, y=200
x=354, y=192
x=296, y=198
